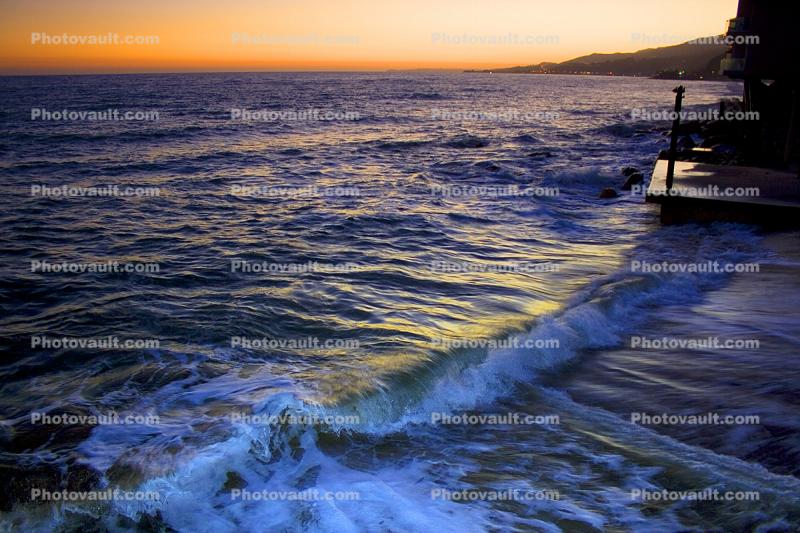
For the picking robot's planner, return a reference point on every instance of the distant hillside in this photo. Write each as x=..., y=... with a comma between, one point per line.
x=681, y=61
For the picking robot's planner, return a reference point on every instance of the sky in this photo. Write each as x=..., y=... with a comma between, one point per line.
x=255, y=35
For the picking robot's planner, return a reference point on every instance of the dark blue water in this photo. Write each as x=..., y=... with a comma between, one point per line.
x=379, y=309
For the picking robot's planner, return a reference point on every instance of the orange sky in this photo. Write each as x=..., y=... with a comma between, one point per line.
x=247, y=35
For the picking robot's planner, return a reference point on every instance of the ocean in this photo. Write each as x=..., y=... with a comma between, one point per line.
x=378, y=302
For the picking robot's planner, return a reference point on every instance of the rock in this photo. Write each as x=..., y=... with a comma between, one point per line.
x=72, y=520
x=633, y=179
x=730, y=105
x=125, y=474
x=16, y=482
x=233, y=481
x=81, y=478
x=628, y=171
x=26, y=436
x=608, y=192
x=153, y=523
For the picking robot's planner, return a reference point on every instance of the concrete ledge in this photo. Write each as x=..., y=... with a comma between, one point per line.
x=705, y=193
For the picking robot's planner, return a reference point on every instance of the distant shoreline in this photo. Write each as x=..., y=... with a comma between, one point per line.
x=692, y=60
x=522, y=73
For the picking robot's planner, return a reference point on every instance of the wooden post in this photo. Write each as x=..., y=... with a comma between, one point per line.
x=673, y=142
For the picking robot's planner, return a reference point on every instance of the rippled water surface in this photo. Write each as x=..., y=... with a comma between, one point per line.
x=389, y=315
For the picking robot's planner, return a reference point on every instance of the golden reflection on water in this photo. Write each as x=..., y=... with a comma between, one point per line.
x=399, y=336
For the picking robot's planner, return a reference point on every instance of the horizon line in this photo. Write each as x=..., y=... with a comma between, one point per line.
x=294, y=71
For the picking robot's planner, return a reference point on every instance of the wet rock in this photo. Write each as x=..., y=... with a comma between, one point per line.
x=75, y=521
x=153, y=523
x=26, y=436
x=125, y=474
x=634, y=179
x=16, y=483
x=81, y=478
x=628, y=171
x=233, y=480
x=730, y=104
x=608, y=192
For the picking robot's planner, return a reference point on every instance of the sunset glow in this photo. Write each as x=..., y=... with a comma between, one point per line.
x=205, y=35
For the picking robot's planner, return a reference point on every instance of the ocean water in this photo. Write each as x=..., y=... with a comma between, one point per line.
x=386, y=366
